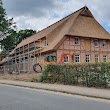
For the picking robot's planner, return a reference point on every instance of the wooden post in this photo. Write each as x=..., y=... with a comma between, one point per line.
x=28, y=59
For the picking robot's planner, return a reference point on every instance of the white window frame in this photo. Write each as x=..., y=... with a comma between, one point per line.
x=45, y=43
x=97, y=42
x=104, y=57
x=76, y=56
x=87, y=60
x=104, y=41
x=76, y=42
x=96, y=58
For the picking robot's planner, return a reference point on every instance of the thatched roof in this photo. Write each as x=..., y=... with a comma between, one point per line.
x=80, y=23
x=88, y=27
x=75, y=24
x=4, y=60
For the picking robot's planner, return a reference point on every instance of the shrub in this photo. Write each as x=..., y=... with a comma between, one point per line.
x=91, y=75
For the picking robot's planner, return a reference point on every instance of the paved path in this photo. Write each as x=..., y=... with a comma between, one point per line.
x=92, y=92
x=16, y=98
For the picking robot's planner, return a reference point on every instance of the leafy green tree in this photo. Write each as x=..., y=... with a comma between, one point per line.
x=6, y=28
x=14, y=38
x=9, y=42
x=9, y=38
x=5, y=24
x=23, y=34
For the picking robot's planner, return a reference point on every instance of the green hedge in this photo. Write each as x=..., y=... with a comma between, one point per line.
x=91, y=75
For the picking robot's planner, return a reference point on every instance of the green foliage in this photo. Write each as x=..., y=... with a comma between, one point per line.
x=23, y=34
x=9, y=38
x=91, y=75
x=33, y=80
x=8, y=43
x=6, y=30
x=13, y=39
x=5, y=24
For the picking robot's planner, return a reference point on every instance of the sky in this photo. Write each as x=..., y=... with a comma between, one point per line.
x=38, y=14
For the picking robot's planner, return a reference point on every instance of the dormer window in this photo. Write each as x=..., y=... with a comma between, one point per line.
x=45, y=43
x=96, y=43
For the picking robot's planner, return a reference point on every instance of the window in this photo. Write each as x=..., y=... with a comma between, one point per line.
x=77, y=58
x=45, y=43
x=66, y=59
x=96, y=58
x=87, y=58
x=50, y=58
x=104, y=58
x=96, y=44
x=77, y=41
x=104, y=43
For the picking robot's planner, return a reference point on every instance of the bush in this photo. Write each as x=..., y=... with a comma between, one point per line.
x=91, y=75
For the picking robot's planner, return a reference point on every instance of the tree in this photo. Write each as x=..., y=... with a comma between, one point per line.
x=23, y=34
x=9, y=43
x=9, y=38
x=6, y=29
x=14, y=38
x=5, y=24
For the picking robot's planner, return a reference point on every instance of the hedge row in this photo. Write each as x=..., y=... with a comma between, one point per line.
x=91, y=75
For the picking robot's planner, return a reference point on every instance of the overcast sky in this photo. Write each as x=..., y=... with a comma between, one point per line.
x=38, y=14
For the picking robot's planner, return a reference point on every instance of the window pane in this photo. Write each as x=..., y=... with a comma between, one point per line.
x=66, y=59
x=77, y=58
x=96, y=43
x=45, y=43
x=96, y=58
x=104, y=43
x=104, y=58
x=77, y=41
x=87, y=58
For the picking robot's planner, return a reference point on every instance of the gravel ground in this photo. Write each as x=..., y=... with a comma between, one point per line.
x=20, y=77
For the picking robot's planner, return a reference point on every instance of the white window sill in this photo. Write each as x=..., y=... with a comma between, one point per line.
x=44, y=46
x=96, y=46
x=104, y=46
x=76, y=62
x=66, y=62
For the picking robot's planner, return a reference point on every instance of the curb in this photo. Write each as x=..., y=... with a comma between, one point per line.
x=53, y=89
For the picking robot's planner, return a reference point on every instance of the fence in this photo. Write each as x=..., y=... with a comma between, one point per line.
x=22, y=67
